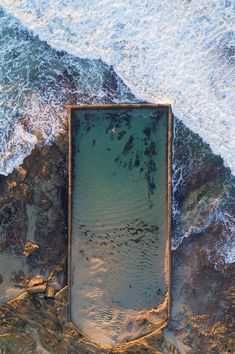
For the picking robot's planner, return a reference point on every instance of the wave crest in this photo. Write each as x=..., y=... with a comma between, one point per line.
x=179, y=52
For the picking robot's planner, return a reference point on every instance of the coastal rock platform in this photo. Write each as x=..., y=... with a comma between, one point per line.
x=33, y=208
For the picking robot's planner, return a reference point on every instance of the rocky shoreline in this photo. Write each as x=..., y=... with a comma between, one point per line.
x=33, y=215
x=33, y=231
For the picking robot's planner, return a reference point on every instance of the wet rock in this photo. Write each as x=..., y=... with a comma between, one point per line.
x=29, y=248
x=56, y=334
x=44, y=202
x=37, y=289
x=27, y=196
x=46, y=170
x=110, y=85
x=50, y=291
x=19, y=279
x=37, y=284
x=11, y=183
x=13, y=224
x=21, y=172
x=23, y=193
x=45, y=150
x=38, y=280
x=3, y=246
x=61, y=141
x=39, y=136
x=1, y=278
x=200, y=324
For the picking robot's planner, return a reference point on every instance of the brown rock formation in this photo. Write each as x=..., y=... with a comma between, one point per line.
x=33, y=209
x=33, y=216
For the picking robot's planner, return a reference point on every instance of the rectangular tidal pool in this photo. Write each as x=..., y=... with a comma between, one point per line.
x=119, y=220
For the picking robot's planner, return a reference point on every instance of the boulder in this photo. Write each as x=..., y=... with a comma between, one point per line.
x=38, y=280
x=50, y=291
x=37, y=289
x=29, y=248
x=21, y=172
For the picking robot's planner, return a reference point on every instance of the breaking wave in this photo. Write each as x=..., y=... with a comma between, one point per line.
x=36, y=84
x=178, y=52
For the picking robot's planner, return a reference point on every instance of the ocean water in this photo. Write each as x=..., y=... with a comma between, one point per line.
x=178, y=52
x=36, y=83
x=119, y=242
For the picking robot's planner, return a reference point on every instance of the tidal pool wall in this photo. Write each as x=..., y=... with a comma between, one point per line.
x=119, y=220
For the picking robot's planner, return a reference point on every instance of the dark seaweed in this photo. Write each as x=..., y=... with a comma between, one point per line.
x=128, y=146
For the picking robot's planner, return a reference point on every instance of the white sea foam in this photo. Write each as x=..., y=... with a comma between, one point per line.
x=180, y=52
x=36, y=84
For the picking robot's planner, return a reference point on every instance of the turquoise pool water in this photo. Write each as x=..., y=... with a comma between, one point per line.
x=119, y=222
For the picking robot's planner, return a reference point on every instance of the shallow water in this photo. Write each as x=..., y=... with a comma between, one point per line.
x=119, y=222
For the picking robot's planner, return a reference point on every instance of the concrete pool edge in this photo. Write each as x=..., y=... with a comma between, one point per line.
x=70, y=109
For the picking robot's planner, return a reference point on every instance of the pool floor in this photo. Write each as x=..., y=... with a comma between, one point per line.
x=119, y=263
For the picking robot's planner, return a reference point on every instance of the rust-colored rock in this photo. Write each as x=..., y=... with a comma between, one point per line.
x=201, y=320
x=38, y=280
x=39, y=136
x=21, y=172
x=23, y=193
x=49, y=319
x=29, y=248
x=37, y=289
x=50, y=291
